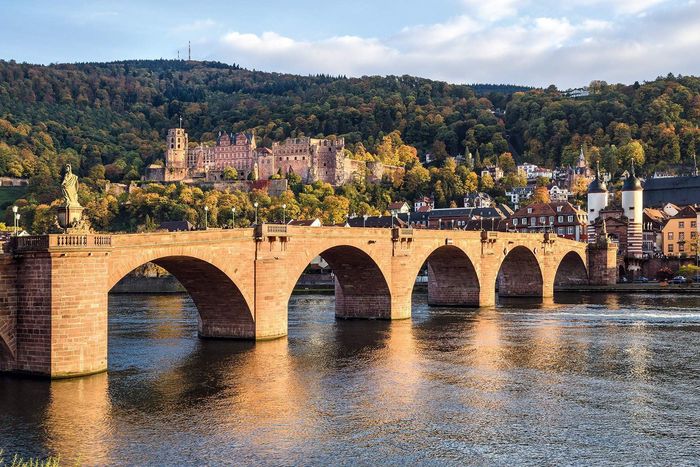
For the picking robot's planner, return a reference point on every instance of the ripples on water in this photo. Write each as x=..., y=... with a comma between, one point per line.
x=590, y=379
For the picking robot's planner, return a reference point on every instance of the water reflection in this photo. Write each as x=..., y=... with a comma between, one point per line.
x=583, y=379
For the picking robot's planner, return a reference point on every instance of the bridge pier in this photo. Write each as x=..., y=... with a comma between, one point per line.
x=62, y=314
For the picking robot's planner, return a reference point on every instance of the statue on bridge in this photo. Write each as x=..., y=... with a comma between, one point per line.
x=70, y=216
x=69, y=187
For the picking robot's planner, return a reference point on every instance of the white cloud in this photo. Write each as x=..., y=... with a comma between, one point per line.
x=491, y=10
x=526, y=50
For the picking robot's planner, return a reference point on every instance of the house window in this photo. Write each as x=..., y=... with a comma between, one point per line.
x=670, y=248
x=693, y=234
x=570, y=230
x=560, y=230
x=693, y=224
x=533, y=220
x=670, y=236
x=551, y=219
x=681, y=236
x=570, y=218
x=681, y=247
x=529, y=210
x=542, y=219
x=515, y=221
x=681, y=225
x=560, y=219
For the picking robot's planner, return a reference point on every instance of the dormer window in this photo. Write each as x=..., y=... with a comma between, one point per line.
x=559, y=208
x=529, y=210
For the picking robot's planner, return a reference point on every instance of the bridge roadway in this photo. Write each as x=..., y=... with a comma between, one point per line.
x=53, y=288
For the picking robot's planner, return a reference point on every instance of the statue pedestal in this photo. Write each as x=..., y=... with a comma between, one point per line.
x=70, y=216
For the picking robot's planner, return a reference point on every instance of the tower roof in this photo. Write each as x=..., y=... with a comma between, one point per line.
x=597, y=185
x=632, y=183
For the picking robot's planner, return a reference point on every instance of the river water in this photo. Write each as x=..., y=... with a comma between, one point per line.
x=590, y=379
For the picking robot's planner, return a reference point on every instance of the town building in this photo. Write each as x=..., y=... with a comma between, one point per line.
x=680, y=234
x=399, y=207
x=494, y=171
x=652, y=236
x=423, y=204
x=478, y=199
x=680, y=191
x=560, y=217
x=519, y=194
x=487, y=218
x=557, y=193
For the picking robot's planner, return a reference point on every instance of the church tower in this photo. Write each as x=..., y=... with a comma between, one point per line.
x=597, y=200
x=176, y=154
x=633, y=207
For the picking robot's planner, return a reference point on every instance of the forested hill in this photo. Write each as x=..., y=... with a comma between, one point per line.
x=113, y=116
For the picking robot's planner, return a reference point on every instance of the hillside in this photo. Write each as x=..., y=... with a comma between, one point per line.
x=116, y=114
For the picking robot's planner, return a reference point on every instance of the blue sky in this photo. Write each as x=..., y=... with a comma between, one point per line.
x=567, y=43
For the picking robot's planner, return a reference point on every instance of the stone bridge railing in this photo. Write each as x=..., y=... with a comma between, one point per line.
x=60, y=242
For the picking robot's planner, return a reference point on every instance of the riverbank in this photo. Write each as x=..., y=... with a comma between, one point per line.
x=168, y=284
x=650, y=287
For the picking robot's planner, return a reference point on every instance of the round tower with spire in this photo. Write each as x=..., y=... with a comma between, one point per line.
x=597, y=201
x=597, y=196
x=633, y=207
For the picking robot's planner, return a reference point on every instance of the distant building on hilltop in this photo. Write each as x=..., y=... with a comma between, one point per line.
x=312, y=159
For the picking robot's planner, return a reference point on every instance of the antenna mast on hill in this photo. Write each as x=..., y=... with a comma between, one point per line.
x=189, y=51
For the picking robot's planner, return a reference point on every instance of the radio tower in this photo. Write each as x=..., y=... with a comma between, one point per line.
x=189, y=51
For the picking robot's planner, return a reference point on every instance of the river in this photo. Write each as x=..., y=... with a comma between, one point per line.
x=590, y=379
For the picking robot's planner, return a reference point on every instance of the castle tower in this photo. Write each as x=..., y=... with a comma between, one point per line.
x=597, y=200
x=176, y=154
x=633, y=206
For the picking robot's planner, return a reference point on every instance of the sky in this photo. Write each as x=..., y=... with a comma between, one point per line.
x=567, y=43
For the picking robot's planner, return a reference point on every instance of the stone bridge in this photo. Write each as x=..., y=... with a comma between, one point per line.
x=53, y=288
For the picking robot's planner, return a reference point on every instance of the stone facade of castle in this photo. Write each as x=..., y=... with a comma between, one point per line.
x=310, y=158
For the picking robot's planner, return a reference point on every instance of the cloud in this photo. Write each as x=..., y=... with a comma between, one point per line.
x=539, y=50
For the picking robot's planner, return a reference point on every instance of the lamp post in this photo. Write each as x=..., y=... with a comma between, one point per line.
x=233, y=217
x=409, y=220
x=255, y=205
x=16, y=223
x=364, y=220
x=15, y=218
x=206, y=217
x=284, y=213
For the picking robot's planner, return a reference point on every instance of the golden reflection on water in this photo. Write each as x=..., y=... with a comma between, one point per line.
x=168, y=315
x=77, y=419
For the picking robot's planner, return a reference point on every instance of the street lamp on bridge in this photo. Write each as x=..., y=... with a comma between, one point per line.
x=15, y=217
x=284, y=213
x=255, y=205
x=233, y=217
x=206, y=217
x=364, y=220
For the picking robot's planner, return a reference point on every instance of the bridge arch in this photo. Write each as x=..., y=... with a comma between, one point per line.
x=452, y=277
x=571, y=270
x=520, y=274
x=223, y=309
x=361, y=287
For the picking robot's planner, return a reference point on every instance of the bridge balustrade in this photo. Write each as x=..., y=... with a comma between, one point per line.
x=60, y=241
